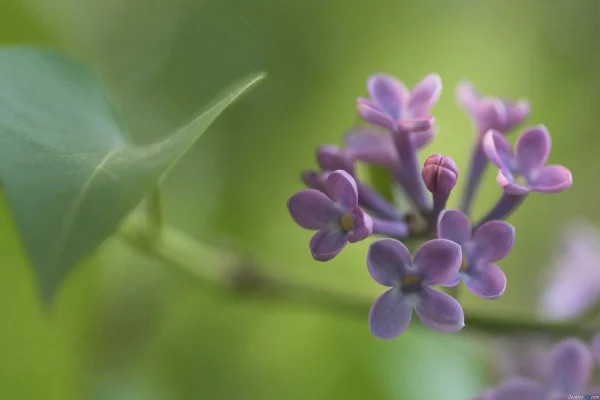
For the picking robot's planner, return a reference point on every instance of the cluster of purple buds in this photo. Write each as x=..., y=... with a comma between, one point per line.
x=343, y=208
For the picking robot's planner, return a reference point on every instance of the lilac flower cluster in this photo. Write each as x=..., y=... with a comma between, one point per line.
x=528, y=366
x=343, y=208
x=567, y=372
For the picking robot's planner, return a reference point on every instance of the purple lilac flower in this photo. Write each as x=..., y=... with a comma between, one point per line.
x=487, y=394
x=314, y=179
x=375, y=146
x=393, y=107
x=520, y=355
x=487, y=113
x=406, y=115
x=573, y=285
x=435, y=262
x=390, y=150
x=523, y=170
x=332, y=158
x=490, y=243
x=596, y=348
x=335, y=215
x=569, y=368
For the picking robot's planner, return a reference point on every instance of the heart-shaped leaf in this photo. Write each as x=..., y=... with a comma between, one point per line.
x=68, y=171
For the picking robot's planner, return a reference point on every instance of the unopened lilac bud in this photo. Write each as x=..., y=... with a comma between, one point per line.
x=439, y=174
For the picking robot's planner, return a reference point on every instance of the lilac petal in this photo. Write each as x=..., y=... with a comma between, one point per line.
x=437, y=260
x=388, y=93
x=487, y=394
x=454, y=225
x=390, y=315
x=491, y=114
x=333, y=158
x=569, y=366
x=439, y=311
x=497, y=149
x=532, y=149
x=371, y=145
x=387, y=260
x=596, y=348
x=573, y=284
x=370, y=113
x=341, y=187
x=313, y=180
x=312, y=209
x=467, y=97
x=327, y=243
x=520, y=389
x=552, y=179
x=493, y=241
x=422, y=139
x=363, y=226
x=489, y=281
x=415, y=125
x=425, y=94
x=453, y=281
x=517, y=113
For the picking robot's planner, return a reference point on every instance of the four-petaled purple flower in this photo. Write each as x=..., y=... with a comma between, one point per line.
x=435, y=262
x=491, y=112
x=491, y=242
x=525, y=170
x=569, y=368
x=394, y=107
x=335, y=215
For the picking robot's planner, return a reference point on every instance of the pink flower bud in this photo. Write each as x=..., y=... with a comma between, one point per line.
x=439, y=174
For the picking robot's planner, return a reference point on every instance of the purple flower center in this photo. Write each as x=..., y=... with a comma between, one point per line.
x=347, y=222
x=410, y=284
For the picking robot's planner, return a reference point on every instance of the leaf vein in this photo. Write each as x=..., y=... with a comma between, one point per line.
x=75, y=206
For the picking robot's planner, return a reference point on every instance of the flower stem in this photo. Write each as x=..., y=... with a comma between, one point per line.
x=225, y=272
x=372, y=200
x=409, y=175
x=154, y=204
x=439, y=204
x=477, y=167
x=507, y=204
x=397, y=229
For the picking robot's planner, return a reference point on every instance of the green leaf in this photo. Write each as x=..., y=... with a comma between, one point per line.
x=68, y=171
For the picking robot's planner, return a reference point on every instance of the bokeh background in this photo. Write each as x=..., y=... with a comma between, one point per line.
x=126, y=328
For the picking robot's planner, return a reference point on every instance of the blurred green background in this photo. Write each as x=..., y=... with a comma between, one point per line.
x=126, y=328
